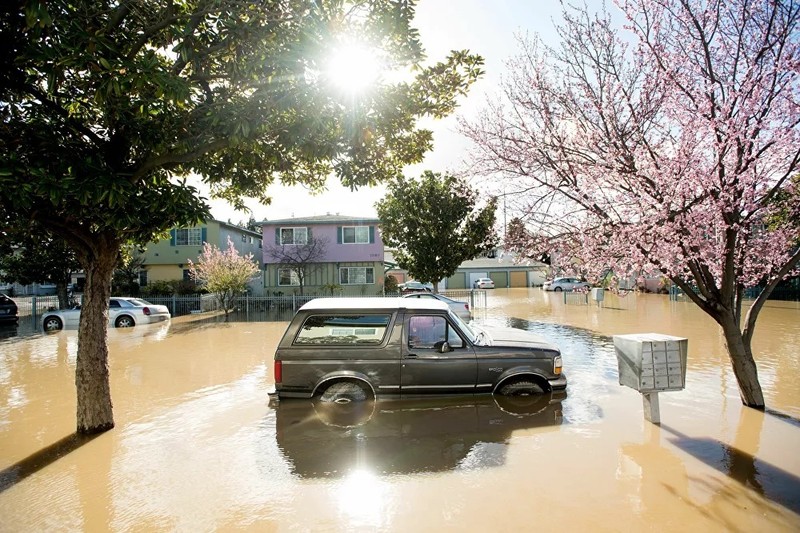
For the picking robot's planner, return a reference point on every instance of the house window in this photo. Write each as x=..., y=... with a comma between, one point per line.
x=294, y=235
x=188, y=237
x=355, y=234
x=244, y=238
x=143, y=278
x=187, y=275
x=287, y=276
x=356, y=275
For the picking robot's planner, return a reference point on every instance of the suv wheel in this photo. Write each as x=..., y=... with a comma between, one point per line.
x=345, y=392
x=521, y=388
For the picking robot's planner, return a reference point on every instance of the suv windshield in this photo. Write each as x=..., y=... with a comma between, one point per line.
x=463, y=327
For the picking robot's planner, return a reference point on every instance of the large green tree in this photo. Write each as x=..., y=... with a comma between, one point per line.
x=29, y=254
x=106, y=104
x=434, y=225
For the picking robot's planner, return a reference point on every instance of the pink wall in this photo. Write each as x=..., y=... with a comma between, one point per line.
x=335, y=252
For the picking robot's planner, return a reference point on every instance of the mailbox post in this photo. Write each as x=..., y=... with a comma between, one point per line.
x=651, y=363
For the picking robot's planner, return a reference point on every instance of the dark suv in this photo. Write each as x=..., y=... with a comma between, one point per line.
x=8, y=310
x=347, y=349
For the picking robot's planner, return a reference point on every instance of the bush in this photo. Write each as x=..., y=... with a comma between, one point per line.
x=390, y=284
x=175, y=286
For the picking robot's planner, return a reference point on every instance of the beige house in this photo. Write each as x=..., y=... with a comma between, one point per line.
x=168, y=259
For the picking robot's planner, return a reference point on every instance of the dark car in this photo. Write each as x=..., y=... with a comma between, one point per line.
x=8, y=310
x=351, y=349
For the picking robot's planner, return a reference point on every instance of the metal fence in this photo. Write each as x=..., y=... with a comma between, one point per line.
x=247, y=307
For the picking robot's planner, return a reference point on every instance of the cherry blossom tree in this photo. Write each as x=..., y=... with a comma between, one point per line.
x=667, y=145
x=225, y=274
x=302, y=259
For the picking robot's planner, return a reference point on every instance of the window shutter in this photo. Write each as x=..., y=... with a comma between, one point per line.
x=339, y=235
x=372, y=234
x=277, y=235
x=308, y=235
x=172, y=237
x=204, y=235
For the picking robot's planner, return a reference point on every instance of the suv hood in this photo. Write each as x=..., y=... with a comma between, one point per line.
x=517, y=338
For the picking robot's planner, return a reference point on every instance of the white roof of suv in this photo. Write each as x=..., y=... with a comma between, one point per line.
x=375, y=303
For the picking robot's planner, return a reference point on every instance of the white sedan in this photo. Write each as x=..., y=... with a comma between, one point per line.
x=123, y=312
x=483, y=283
x=565, y=284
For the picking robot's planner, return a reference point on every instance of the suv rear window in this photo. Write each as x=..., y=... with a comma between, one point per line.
x=343, y=329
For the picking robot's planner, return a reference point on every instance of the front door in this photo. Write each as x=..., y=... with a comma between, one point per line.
x=425, y=369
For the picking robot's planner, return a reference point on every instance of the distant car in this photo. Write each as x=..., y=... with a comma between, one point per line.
x=459, y=308
x=483, y=283
x=414, y=286
x=123, y=312
x=565, y=284
x=8, y=310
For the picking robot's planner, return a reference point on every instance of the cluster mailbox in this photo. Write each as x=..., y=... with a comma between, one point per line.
x=651, y=362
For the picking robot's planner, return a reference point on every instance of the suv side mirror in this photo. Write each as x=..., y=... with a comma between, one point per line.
x=443, y=347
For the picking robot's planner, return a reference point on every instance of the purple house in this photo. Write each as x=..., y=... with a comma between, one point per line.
x=328, y=254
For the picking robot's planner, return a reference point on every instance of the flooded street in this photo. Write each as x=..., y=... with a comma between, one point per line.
x=197, y=448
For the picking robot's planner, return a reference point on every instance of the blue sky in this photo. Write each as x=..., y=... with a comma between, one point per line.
x=486, y=27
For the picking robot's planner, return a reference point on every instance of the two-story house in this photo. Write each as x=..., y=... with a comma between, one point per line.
x=168, y=259
x=328, y=254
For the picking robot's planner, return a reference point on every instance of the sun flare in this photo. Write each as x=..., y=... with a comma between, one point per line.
x=353, y=68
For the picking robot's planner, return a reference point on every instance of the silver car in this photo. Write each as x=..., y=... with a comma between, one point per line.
x=565, y=284
x=123, y=312
x=459, y=308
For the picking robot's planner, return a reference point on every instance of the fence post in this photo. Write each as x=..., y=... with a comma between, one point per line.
x=174, y=305
x=294, y=304
x=247, y=305
x=33, y=308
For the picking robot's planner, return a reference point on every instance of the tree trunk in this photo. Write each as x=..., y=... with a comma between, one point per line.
x=63, y=295
x=744, y=366
x=91, y=371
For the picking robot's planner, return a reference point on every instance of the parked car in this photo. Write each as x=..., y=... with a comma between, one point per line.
x=123, y=312
x=345, y=350
x=415, y=286
x=483, y=283
x=565, y=284
x=8, y=310
x=459, y=308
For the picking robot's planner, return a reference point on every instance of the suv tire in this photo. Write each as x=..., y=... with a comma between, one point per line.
x=521, y=388
x=345, y=392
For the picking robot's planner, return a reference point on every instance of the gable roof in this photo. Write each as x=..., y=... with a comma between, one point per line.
x=321, y=219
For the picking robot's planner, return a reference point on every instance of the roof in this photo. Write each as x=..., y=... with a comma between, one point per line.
x=375, y=303
x=238, y=228
x=321, y=219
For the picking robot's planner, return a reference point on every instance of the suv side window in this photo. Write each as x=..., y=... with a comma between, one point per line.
x=424, y=332
x=343, y=329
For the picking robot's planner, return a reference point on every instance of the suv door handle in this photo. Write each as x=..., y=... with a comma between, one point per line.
x=411, y=356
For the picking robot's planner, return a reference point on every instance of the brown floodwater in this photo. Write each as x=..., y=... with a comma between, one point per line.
x=196, y=446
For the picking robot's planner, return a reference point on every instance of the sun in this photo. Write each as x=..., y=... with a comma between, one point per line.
x=353, y=68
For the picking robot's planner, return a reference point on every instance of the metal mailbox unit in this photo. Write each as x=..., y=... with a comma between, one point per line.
x=651, y=363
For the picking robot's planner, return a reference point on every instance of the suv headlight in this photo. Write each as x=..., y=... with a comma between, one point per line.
x=557, y=365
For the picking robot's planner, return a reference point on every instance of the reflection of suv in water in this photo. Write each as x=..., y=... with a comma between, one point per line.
x=348, y=349
x=423, y=435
